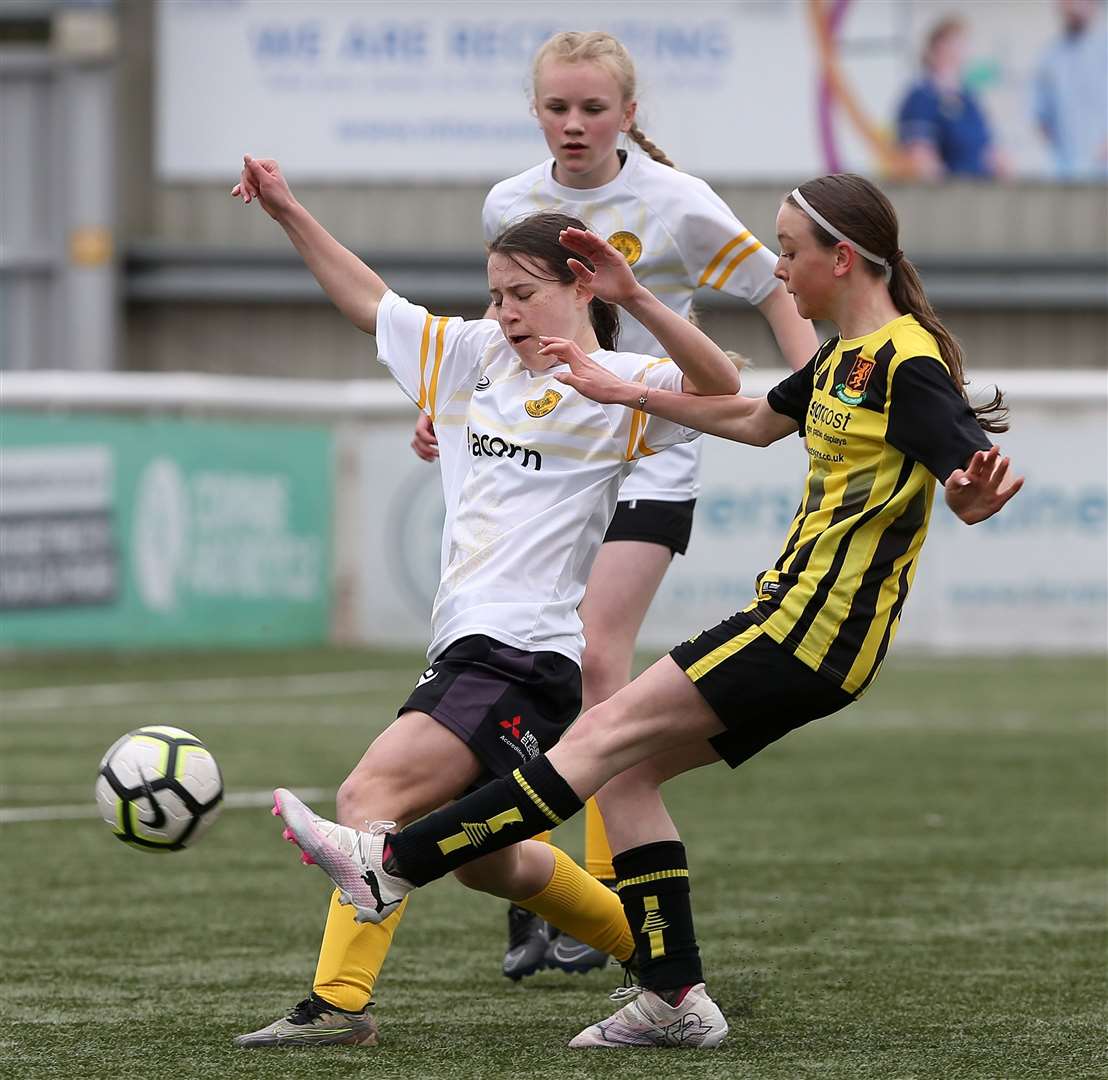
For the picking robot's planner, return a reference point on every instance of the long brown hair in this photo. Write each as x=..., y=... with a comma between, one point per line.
x=860, y=210
x=594, y=46
x=536, y=238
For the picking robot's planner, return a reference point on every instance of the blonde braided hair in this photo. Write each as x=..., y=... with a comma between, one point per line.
x=595, y=46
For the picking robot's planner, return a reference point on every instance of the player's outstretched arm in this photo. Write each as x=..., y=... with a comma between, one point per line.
x=742, y=419
x=706, y=367
x=351, y=285
x=980, y=489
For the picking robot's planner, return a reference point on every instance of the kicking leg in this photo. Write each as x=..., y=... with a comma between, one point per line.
x=388, y=781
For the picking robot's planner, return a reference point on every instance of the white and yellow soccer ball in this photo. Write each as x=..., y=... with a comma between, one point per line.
x=159, y=788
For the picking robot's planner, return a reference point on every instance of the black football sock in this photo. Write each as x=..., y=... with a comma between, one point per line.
x=503, y=812
x=653, y=884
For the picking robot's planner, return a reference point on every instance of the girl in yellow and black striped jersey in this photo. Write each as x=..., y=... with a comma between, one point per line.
x=677, y=235
x=884, y=414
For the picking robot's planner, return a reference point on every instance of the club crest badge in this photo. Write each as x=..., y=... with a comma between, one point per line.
x=853, y=390
x=542, y=406
x=627, y=244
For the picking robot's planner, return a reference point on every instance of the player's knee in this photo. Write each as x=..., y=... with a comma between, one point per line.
x=604, y=669
x=605, y=729
x=629, y=788
x=487, y=876
x=373, y=791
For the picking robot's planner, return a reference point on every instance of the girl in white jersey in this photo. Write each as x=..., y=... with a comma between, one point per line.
x=530, y=472
x=677, y=234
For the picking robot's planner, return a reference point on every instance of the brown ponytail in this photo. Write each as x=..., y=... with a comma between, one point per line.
x=860, y=210
x=535, y=237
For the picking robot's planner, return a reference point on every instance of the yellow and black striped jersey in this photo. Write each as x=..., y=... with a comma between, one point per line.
x=882, y=419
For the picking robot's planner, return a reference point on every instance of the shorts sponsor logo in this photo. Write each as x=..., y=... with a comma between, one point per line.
x=426, y=677
x=627, y=244
x=541, y=406
x=495, y=446
x=483, y=383
x=523, y=743
x=515, y=747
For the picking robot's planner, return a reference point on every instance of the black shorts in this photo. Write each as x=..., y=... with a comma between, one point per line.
x=506, y=705
x=758, y=689
x=652, y=521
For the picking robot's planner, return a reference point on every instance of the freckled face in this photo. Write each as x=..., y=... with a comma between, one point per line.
x=529, y=306
x=804, y=265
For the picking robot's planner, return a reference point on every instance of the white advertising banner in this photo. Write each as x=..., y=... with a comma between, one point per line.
x=349, y=90
x=1033, y=579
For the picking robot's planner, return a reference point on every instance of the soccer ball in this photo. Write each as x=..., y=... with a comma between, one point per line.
x=159, y=788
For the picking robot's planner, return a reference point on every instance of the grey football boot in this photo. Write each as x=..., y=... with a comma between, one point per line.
x=315, y=1022
x=528, y=938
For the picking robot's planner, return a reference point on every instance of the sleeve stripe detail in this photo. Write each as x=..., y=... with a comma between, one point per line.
x=529, y=791
x=638, y=419
x=645, y=879
x=734, y=263
x=424, y=344
x=433, y=393
x=720, y=255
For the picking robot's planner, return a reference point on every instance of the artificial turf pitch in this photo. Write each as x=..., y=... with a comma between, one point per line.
x=913, y=888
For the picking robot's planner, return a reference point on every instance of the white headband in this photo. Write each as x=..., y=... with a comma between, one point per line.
x=820, y=220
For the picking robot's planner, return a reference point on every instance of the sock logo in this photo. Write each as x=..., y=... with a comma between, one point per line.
x=652, y=927
x=512, y=725
x=475, y=833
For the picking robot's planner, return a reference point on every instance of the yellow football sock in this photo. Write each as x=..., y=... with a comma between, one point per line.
x=352, y=955
x=543, y=836
x=576, y=903
x=598, y=852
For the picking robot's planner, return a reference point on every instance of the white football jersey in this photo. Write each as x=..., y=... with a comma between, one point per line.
x=678, y=235
x=530, y=471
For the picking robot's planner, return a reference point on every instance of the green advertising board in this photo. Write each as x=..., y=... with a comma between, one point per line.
x=145, y=532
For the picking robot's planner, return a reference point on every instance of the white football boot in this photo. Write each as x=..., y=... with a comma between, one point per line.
x=352, y=859
x=695, y=1024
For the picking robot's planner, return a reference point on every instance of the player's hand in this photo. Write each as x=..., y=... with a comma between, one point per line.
x=424, y=441
x=980, y=489
x=586, y=376
x=611, y=278
x=261, y=179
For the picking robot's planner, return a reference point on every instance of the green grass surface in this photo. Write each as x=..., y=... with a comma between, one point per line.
x=915, y=888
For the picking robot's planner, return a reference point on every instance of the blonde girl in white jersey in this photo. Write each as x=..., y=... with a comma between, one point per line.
x=678, y=235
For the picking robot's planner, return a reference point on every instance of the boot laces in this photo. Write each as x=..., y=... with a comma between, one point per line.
x=311, y=1008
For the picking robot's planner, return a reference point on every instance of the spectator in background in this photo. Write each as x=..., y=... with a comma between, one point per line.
x=1071, y=92
x=940, y=125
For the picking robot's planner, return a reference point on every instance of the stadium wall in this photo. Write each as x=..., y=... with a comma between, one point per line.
x=1018, y=269
x=151, y=510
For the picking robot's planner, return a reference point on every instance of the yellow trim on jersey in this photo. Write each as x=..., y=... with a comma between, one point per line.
x=645, y=879
x=722, y=652
x=533, y=796
x=734, y=263
x=433, y=393
x=638, y=420
x=424, y=345
x=721, y=254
